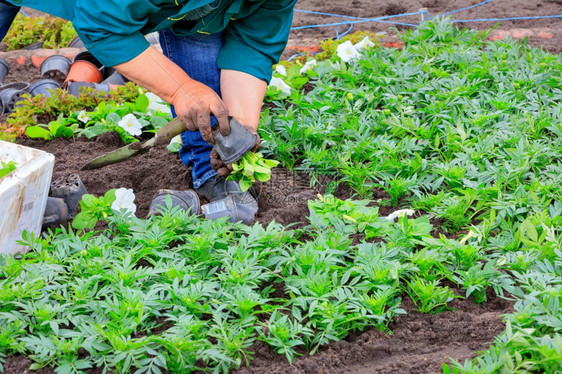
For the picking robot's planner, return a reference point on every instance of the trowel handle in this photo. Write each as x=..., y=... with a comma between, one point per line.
x=167, y=132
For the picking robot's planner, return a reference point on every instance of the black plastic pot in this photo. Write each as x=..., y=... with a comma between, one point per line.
x=115, y=78
x=74, y=87
x=56, y=212
x=70, y=189
x=55, y=67
x=44, y=87
x=34, y=46
x=76, y=43
x=232, y=147
x=4, y=69
x=11, y=93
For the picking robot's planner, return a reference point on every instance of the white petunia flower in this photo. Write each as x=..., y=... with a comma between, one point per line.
x=346, y=51
x=400, y=213
x=124, y=199
x=307, y=66
x=83, y=117
x=131, y=124
x=156, y=104
x=281, y=70
x=281, y=85
x=365, y=43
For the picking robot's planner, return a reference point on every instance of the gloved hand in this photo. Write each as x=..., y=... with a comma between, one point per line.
x=193, y=101
x=224, y=170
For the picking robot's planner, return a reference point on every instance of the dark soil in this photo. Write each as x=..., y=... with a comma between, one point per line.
x=419, y=343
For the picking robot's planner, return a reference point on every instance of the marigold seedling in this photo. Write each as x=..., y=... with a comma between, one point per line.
x=251, y=167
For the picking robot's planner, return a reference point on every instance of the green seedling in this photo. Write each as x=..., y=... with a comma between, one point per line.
x=251, y=167
x=60, y=128
x=93, y=209
x=478, y=279
x=429, y=296
x=284, y=334
x=7, y=167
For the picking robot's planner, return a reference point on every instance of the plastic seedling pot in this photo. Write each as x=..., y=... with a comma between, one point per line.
x=55, y=67
x=56, y=212
x=4, y=69
x=116, y=78
x=74, y=87
x=76, y=43
x=33, y=46
x=70, y=189
x=83, y=71
x=11, y=93
x=44, y=87
x=23, y=194
x=232, y=147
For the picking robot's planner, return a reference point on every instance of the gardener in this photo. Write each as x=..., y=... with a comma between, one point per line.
x=217, y=60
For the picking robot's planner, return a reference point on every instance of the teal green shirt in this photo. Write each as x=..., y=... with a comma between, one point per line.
x=255, y=31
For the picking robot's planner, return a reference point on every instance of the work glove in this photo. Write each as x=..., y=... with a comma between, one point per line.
x=193, y=101
x=224, y=170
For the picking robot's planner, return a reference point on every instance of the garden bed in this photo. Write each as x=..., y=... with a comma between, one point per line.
x=417, y=342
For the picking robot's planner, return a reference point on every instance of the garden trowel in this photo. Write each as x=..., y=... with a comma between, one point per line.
x=162, y=137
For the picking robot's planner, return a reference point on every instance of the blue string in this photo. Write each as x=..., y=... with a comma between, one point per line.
x=353, y=22
x=506, y=19
x=24, y=13
x=424, y=15
x=463, y=9
x=338, y=35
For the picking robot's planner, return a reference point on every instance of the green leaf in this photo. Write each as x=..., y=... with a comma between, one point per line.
x=142, y=103
x=262, y=177
x=38, y=132
x=245, y=184
x=174, y=147
x=84, y=220
x=88, y=200
x=113, y=118
x=109, y=197
x=159, y=121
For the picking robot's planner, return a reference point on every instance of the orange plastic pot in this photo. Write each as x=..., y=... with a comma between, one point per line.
x=83, y=71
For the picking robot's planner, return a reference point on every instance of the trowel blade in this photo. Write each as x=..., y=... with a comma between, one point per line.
x=121, y=154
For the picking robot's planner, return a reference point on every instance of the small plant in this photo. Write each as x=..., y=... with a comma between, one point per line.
x=284, y=334
x=429, y=296
x=6, y=168
x=52, y=31
x=55, y=129
x=251, y=167
x=39, y=109
x=94, y=209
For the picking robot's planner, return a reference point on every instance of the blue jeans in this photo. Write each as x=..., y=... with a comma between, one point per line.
x=197, y=56
x=7, y=14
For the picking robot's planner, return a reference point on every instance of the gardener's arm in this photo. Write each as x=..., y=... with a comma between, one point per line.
x=243, y=95
x=111, y=30
x=251, y=46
